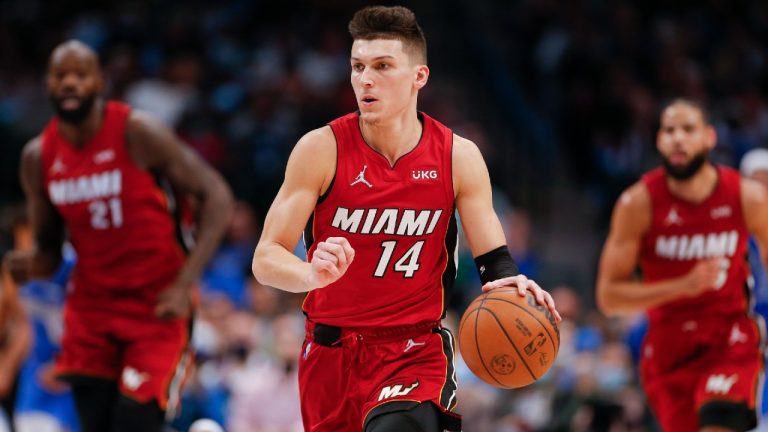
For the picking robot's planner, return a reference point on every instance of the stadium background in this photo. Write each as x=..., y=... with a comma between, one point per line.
x=562, y=98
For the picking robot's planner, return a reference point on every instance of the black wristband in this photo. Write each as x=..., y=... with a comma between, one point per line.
x=496, y=264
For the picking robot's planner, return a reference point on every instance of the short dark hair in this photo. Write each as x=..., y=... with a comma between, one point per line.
x=695, y=104
x=390, y=22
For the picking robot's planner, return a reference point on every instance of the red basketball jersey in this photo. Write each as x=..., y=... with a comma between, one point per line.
x=683, y=233
x=117, y=217
x=400, y=221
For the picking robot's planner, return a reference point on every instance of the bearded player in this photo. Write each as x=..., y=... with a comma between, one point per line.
x=95, y=174
x=686, y=226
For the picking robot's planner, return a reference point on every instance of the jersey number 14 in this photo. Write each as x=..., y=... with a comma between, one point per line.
x=408, y=264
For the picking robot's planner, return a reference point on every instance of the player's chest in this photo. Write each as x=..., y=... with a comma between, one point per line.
x=372, y=180
x=93, y=189
x=683, y=233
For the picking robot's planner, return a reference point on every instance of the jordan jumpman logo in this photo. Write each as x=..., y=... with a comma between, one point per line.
x=412, y=344
x=361, y=178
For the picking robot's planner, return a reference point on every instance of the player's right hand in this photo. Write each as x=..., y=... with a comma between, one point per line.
x=330, y=261
x=704, y=276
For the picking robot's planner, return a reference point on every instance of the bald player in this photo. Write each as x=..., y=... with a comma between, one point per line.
x=686, y=226
x=94, y=173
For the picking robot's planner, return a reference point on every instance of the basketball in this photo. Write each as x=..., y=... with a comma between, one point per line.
x=507, y=340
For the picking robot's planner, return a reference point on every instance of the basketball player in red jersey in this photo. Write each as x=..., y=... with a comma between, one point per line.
x=92, y=173
x=686, y=225
x=379, y=188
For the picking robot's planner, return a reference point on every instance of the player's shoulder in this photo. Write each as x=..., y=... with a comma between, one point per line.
x=753, y=192
x=318, y=141
x=463, y=147
x=142, y=133
x=634, y=200
x=314, y=156
x=141, y=122
x=33, y=149
x=32, y=162
x=632, y=215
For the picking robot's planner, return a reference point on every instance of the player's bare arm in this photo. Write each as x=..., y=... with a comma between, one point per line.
x=308, y=175
x=482, y=228
x=45, y=222
x=617, y=289
x=754, y=203
x=153, y=146
x=18, y=331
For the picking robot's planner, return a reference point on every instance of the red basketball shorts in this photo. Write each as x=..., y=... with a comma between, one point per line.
x=703, y=372
x=146, y=355
x=347, y=377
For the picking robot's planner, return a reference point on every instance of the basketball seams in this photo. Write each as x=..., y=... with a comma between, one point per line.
x=551, y=339
x=477, y=345
x=483, y=302
x=511, y=342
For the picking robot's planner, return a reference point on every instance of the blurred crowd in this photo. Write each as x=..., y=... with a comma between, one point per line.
x=561, y=94
x=592, y=77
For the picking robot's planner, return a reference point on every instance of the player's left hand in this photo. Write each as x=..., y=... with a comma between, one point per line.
x=523, y=285
x=174, y=302
x=48, y=379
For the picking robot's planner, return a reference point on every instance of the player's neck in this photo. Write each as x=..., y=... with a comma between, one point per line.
x=79, y=134
x=697, y=188
x=394, y=137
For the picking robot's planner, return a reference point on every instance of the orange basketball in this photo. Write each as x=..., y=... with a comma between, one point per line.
x=507, y=340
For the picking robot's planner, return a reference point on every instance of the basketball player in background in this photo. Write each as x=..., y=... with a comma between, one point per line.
x=15, y=341
x=43, y=403
x=686, y=225
x=754, y=165
x=379, y=188
x=92, y=172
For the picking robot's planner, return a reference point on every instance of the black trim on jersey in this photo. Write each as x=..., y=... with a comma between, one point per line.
x=309, y=237
x=452, y=195
x=419, y=114
x=750, y=284
x=449, y=275
x=750, y=293
x=174, y=387
x=327, y=191
x=448, y=394
x=185, y=239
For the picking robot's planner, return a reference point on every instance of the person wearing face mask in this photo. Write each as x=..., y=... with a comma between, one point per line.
x=686, y=225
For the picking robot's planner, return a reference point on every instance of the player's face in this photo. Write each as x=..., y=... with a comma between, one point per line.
x=684, y=140
x=74, y=81
x=385, y=78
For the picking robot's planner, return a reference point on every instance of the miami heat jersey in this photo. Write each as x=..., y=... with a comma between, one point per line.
x=117, y=218
x=684, y=233
x=400, y=221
